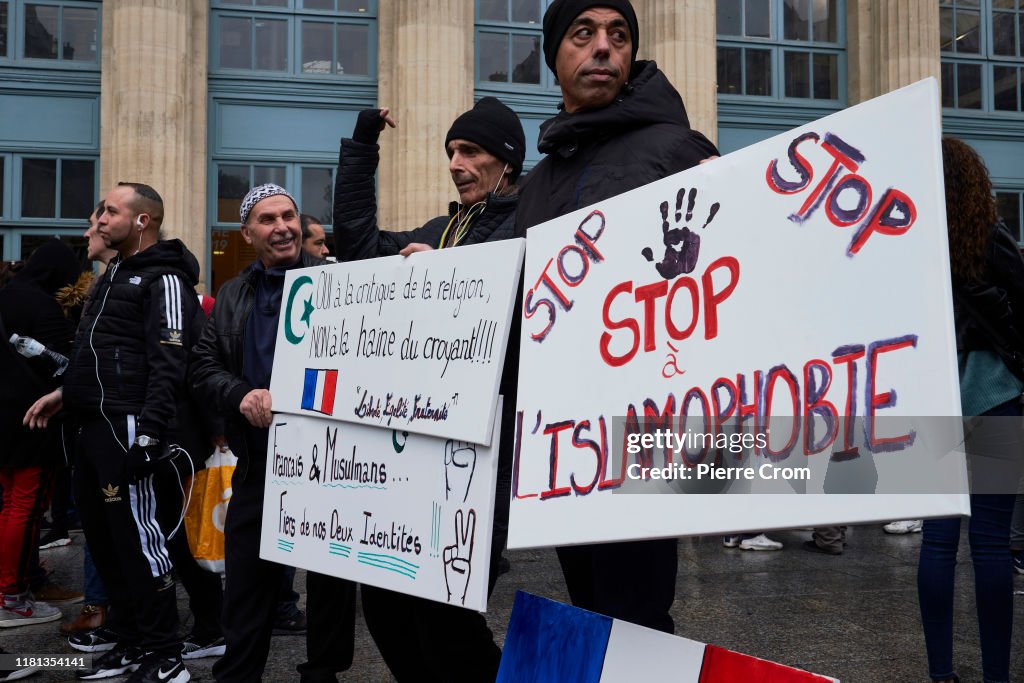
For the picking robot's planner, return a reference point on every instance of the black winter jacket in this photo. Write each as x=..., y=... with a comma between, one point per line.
x=355, y=212
x=135, y=335
x=989, y=313
x=215, y=373
x=642, y=136
x=28, y=308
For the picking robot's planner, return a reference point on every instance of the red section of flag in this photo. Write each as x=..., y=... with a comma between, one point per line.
x=330, y=382
x=725, y=666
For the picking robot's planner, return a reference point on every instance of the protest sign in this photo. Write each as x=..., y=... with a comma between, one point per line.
x=383, y=507
x=803, y=276
x=549, y=641
x=411, y=343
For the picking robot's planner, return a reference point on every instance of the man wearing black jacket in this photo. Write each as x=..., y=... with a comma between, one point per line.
x=622, y=125
x=231, y=372
x=422, y=640
x=125, y=388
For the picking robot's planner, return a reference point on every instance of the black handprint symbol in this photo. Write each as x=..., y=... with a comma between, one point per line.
x=682, y=245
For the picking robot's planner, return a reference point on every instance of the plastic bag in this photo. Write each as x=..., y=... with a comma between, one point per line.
x=208, y=508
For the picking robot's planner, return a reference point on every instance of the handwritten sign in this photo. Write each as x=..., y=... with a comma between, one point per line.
x=401, y=511
x=414, y=344
x=672, y=333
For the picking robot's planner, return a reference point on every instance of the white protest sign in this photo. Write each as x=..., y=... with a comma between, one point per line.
x=413, y=343
x=806, y=275
x=383, y=507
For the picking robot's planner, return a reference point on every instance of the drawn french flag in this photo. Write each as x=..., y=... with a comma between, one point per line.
x=318, y=390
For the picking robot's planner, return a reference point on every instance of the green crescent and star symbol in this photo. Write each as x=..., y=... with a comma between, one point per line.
x=307, y=309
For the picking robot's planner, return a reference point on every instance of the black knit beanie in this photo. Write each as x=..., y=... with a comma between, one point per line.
x=561, y=14
x=494, y=127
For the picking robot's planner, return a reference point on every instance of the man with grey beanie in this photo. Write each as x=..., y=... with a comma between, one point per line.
x=621, y=125
x=422, y=640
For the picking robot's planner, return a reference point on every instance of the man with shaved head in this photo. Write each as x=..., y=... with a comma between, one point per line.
x=125, y=388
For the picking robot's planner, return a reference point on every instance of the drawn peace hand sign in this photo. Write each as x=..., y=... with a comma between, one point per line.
x=459, y=465
x=458, y=556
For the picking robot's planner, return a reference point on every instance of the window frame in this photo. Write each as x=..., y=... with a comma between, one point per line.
x=293, y=15
x=292, y=183
x=14, y=215
x=777, y=47
x=985, y=59
x=1016, y=230
x=510, y=28
x=16, y=39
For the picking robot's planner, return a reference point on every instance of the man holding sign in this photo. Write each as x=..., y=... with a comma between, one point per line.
x=231, y=372
x=622, y=125
x=418, y=638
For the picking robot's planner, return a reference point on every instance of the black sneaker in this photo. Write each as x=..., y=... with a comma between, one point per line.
x=156, y=669
x=114, y=663
x=195, y=648
x=97, y=640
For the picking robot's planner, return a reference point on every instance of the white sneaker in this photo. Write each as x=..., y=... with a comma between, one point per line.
x=731, y=541
x=20, y=610
x=904, y=526
x=760, y=542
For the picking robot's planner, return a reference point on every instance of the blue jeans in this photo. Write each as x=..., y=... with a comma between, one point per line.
x=95, y=591
x=989, y=536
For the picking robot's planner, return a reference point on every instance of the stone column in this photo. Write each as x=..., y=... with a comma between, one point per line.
x=680, y=37
x=153, y=108
x=890, y=43
x=425, y=67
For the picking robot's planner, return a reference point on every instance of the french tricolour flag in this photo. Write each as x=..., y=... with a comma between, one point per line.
x=318, y=390
x=548, y=642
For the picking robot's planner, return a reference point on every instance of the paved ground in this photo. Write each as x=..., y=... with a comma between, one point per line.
x=854, y=617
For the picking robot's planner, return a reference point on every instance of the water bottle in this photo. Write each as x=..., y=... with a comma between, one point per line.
x=30, y=348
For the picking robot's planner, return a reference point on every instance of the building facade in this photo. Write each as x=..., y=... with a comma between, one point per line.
x=204, y=98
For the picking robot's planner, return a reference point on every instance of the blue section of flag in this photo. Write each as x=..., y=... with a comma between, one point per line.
x=548, y=642
x=309, y=389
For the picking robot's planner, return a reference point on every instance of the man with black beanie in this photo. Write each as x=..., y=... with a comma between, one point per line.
x=422, y=640
x=622, y=125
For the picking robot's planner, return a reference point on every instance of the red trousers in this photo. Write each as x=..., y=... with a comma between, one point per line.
x=26, y=495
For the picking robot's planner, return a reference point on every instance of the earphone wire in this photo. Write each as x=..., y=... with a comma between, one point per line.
x=96, y=357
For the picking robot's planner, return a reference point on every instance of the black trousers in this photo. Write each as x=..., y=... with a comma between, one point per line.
x=634, y=581
x=205, y=595
x=126, y=525
x=252, y=592
x=427, y=641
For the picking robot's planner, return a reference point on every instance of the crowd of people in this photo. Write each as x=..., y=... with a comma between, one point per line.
x=121, y=412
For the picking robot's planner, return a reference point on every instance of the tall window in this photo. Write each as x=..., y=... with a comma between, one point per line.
x=302, y=37
x=508, y=44
x=1011, y=209
x=982, y=43
x=782, y=49
x=53, y=31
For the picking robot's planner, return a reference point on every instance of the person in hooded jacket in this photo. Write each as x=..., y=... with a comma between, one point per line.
x=622, y=125
x=486, y=146
x=125, y=388
x=29, y=459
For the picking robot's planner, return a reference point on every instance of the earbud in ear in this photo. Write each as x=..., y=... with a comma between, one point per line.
x=138, y=222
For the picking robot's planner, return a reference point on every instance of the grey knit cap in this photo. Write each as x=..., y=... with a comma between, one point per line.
x=258, y=194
